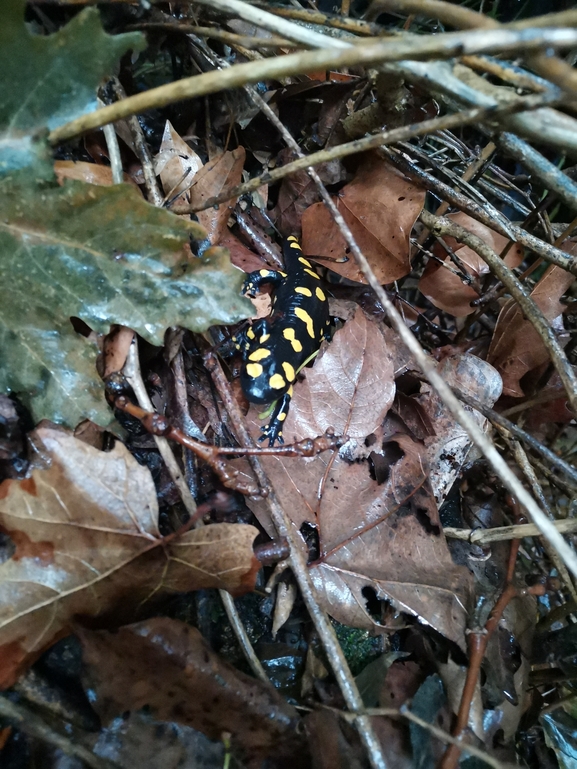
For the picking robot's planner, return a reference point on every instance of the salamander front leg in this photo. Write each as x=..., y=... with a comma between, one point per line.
x=273, y=431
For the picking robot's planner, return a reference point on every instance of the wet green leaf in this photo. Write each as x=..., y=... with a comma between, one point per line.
x=106, y=256
x=48, y=80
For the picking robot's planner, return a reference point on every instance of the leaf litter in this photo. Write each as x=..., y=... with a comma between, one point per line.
x=91, y=540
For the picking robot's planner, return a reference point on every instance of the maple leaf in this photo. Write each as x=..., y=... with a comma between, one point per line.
x=86, y=542
x=386, y=534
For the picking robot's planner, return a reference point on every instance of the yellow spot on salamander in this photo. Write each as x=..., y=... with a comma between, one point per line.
x=250, y=333
x=276, y=381
x=254, y=370
x=312, y=274
x=307, y=320
x=289, y=371
x=264, y=337
x=320, y=294
x=304, y=261
x=259, y=354
x=264, y=273
x=295, y=245
x=289, y=333
x=292, y=238
x=304, y=291
x=281, y=417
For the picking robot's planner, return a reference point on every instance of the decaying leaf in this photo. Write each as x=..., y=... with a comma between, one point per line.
x=351, y=387
x=443, y=287
x=298, y=192
x=186, y=179
x=85, y=537
x=168, y=667
x=449, y=447
x=516, y=347
x=380, y=206
x=379, y=534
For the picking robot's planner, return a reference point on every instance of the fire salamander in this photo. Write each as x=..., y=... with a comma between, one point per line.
x=275, y=348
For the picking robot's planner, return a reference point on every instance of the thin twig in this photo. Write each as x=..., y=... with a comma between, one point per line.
x=28, y=722
x=213, y=33
x=113, y=152
x=446, y=45
x=141, y=148
x=498, y=419
x=554, y=69
x=134, y=378
x=523, y=462
x=502, y=533
x=440, y=225
x=392, y=136
x=404, y=712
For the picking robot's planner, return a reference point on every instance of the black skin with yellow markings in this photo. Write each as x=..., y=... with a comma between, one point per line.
x=275, y=348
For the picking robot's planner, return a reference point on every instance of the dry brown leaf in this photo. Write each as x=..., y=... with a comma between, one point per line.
x=380, y=206
x=448, y=449
x=382, y=536
x=91, y=173
x=516, y=348
x=186, y=180
x=241, y=256
x=444, y=288
x=85, y=536
x=350, y=388
x=177, y=164
x=298, y=191
x=165, y=665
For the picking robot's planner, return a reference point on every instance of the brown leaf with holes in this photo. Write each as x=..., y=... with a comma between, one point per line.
x=86, y=542
x=380, y=206
x=516, y=348
x=441, y=283
x=166, y=666
x=384, y=535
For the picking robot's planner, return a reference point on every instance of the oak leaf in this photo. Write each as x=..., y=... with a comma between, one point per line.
x=86, y=542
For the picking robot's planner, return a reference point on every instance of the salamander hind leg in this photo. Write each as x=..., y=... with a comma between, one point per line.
x=273, y=431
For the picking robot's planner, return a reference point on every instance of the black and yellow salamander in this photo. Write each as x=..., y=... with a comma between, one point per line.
x=275, y=348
